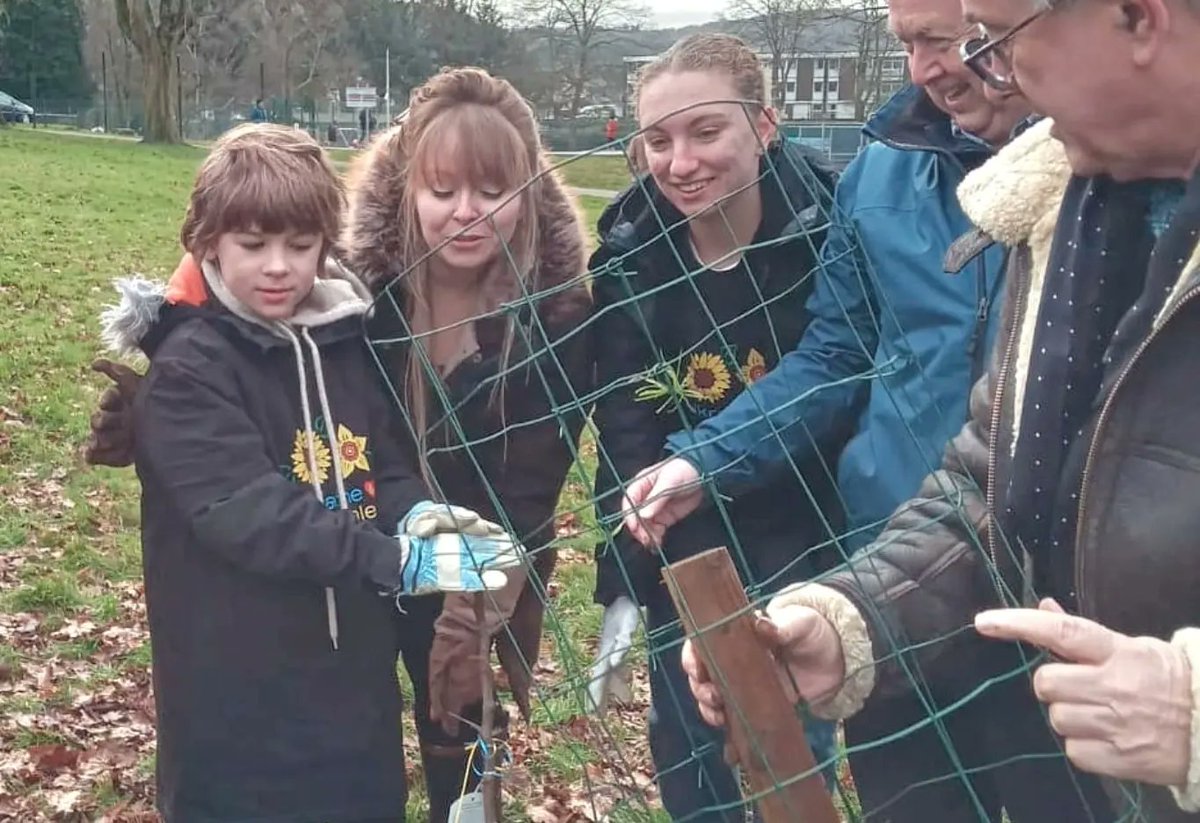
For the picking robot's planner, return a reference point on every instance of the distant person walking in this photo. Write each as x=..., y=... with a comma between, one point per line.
x=610, y=129
x=258, y=114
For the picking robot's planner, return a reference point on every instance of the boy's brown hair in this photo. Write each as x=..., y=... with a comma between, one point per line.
x=267, y=177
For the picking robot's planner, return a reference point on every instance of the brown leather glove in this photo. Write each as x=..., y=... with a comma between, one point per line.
x=454, y=661
x=111, y=440
x=519, y=644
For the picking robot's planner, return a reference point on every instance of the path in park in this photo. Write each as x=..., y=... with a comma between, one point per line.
x=607, y=194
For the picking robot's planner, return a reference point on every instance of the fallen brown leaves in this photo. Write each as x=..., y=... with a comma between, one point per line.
x=76, y=735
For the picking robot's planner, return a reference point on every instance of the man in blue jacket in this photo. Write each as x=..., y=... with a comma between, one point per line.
x=917, y=335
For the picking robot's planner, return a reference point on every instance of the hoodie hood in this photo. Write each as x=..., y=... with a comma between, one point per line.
x=136, y=322
x=373, y=239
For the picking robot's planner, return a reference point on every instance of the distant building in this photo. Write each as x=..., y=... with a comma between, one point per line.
x=824, y=80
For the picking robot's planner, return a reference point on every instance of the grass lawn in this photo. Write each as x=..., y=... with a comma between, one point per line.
x=76, y=714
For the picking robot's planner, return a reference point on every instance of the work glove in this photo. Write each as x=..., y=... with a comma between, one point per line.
x=447, y=548
x=110, y=442
x=455, y=658
x=610, y=673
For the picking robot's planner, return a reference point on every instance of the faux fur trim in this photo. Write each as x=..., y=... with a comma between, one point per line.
x=126, y=322
x=856, y=645
x=1188, y=796
x=1020, y=188
x=372, y=241
x=1015, y=197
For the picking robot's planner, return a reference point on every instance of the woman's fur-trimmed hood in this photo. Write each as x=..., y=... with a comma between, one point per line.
x=372, y=240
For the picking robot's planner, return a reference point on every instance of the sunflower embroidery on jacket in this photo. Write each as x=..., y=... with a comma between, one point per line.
x=755, y=367
x=300, y=458
x=707, y=377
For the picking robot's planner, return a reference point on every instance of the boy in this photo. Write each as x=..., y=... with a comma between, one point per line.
x=269, y=492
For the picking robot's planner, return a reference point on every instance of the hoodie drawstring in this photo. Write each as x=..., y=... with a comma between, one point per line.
x=310, y=446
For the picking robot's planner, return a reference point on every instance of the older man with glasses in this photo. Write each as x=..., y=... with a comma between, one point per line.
x=1081, y=463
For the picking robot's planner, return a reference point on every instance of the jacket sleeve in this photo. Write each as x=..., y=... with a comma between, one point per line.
x=195, y=442
x=807, y=398
x=905, y=602
x=628, y=431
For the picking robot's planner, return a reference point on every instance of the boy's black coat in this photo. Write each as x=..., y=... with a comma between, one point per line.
x=259, y=717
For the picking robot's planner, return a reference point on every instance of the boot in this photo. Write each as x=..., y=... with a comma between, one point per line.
x=445, y=770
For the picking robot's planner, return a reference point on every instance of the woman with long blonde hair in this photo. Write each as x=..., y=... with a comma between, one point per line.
x=476, y=256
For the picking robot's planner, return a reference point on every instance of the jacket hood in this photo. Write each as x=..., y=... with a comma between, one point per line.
x=797, y=199
x=373, y=239
x=910, y=121
x=128, y=325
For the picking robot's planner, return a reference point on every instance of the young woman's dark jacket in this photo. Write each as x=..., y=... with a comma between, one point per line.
x=655, y=312
x=503, y=454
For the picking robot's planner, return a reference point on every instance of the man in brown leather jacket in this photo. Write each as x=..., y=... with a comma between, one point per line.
x=1081, y=461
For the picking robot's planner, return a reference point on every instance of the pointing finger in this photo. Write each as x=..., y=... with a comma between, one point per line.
x=1075, y=639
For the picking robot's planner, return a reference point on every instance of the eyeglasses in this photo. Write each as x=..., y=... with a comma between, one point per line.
x=990, y=59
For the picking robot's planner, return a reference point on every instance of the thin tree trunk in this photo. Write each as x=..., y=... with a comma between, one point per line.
x=161, y=108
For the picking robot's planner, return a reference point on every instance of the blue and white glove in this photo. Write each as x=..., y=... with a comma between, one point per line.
x=446, y=548
x=610, y=673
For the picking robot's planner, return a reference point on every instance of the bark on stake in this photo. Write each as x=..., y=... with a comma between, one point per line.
x=764, y=727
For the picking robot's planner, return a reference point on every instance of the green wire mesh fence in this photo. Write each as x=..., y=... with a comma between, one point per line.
x=571, y=761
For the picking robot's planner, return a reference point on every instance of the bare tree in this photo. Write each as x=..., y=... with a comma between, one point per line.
x=156, y=28
x=776, y=25
x=872, y=42
x=582, y=26
x=102, y=36
x=298, y=33
x=217, y=45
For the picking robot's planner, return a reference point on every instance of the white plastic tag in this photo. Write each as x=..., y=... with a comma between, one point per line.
x=467, y=809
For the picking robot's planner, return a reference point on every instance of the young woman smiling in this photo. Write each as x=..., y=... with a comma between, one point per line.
x=702, y=275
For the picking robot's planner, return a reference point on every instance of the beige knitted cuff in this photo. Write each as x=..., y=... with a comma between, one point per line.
x=856, y=645
x=1188, y=796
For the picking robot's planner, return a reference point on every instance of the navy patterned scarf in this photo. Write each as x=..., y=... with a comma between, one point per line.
x=1109, y=274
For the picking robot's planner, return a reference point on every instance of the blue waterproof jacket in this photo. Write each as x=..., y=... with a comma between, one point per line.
x=883, y=310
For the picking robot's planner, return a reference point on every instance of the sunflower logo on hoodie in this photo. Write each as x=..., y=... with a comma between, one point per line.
x=707, y=376
x=300, y=458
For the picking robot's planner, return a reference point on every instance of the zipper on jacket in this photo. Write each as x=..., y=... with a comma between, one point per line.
x=998, y=407
x=1093, y=448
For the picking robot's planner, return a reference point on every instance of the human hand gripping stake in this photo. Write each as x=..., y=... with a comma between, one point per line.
x=807, y=650
x=1122, y=704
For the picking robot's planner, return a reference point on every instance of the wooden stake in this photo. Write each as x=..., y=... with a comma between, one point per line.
x=490, y=784
x=763, y=726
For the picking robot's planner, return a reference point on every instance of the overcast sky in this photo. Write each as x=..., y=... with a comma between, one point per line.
x=672, y=13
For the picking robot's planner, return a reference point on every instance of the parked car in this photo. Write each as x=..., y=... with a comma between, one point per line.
x=597, y=111
x=13, y=110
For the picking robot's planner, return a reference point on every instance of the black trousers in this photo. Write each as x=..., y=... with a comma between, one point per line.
x=1008, y=757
